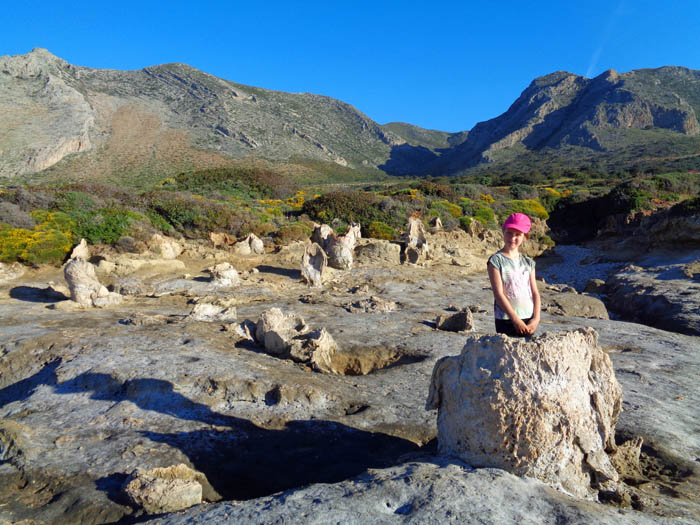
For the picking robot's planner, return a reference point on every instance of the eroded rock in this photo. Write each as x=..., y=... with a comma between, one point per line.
x=164, y=489
x=321, y=235
x=574, y=304
x=313, y=264
x=371, y=304
x=81, y=251
x=416, y=248
x=378, y=252
x=210, y=312
x=224, y=274
x=85, y=288
x=545, y=408
x=165, y=247
x=462, y=321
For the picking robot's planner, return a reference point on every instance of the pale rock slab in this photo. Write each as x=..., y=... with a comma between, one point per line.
x=9, y=271
x=251, y=245
x=85, y=288
x=275, y=330
x=165, y=247
x=378, y=252
x=544, y=408
x=224, y=274
x=164, y=489
x=210, y=313
x=313, y=264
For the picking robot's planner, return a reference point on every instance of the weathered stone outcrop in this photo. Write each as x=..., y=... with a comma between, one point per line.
x=210, y=312
x=321, y=235
x=340, y=251
x=574, y=304
x=224, y=274
x=85, y=288
x=416, y=248
x=461, y=321
x=545, y=408
x=313, y=264
x=251, y=245
x=167, y=489
x=378, y=252
x=81, y=251
x=164, y=247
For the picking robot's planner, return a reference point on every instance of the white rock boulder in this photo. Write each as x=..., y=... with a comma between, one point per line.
x=85, y=289
x=162, y=490
x=313, y=264
x=224, y=274
x=544, y=408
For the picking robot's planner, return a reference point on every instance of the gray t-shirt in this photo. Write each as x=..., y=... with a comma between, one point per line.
x=515, y=275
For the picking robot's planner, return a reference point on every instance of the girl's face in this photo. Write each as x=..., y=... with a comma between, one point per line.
x=513, y=238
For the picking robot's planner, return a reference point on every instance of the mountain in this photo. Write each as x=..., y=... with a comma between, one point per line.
x=610, y=118
x=63, y=122
x=165, y=119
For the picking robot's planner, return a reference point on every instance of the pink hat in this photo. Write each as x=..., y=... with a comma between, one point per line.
x=518, y=221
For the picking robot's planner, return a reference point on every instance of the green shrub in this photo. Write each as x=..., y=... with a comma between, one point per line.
x=107, y=225
x=34, y=247
x=292, y=232
x=486, y=216
x=453, y=209
x=529, y=207
x=351, y=206
x=465, y=222
x=523, y=191
x=380, y=230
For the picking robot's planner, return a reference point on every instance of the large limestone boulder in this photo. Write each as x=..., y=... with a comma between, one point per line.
x=164, y=489
x=9, y=271
x=224, y=274
x=165, y=247
x=378, y=253
x=288, y=336
x=81, y=251
x=340, y=251
x=416, y=248
x=251, y=245
x=545, y=407
x=313, y=264
x=85, y=289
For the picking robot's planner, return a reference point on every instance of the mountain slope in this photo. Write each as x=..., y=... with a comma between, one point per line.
x=166, y=118
x=599, y=116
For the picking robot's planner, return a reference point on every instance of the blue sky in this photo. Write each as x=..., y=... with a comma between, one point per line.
x=437, y=64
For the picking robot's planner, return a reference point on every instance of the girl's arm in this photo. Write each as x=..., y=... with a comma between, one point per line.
x=532, y=325
x=503, y=302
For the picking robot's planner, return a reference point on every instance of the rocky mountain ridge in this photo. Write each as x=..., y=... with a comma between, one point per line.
x=161, y=120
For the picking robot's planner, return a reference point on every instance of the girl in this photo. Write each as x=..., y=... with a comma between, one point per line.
x=516, y=298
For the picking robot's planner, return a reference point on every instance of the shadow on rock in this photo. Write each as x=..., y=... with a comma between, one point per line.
x=284, y=272
x=33, y=294
x=257, y=462
x=157, y=395
x=24, y=389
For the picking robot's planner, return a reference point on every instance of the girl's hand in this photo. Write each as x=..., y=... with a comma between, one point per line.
x=532, y=325
x=520, y=327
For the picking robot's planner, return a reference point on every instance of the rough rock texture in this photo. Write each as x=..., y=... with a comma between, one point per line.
x=661, y=296
x=416, y=249
x=164, y=247
x=251, y=245
x=211, y=312
x=276, y=330
x=378, y=252
x=87, y=397
x=371, y=304
x=81, y=251
x=321, y=235
x=10, y=271
x=224, y=274
x=545, y=408
x=574, y=304
x=164, y=489
x=462, y=321
x=313, y=264
x=85, y=288
x=340, y=250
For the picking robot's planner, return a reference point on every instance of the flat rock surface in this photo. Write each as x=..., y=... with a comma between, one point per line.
x=86, y=397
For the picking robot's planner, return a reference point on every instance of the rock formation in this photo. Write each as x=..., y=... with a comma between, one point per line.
x=340, y=251
x=165, y=247
x=85, y=288
x=211, y=312
x=378, y=252
x=313, y=264
x=224, y=274
x=461, y=321
x=288, y=336
x=81, y=251
x=321, y=235
x=251, y=245
x=164, y=489
x=416, y=245
x=545, y=407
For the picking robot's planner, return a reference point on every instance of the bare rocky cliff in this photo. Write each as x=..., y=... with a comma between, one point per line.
x=602, y=114
x=167, y=116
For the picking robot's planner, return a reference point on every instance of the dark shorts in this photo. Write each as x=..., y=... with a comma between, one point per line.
x=505, y=326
